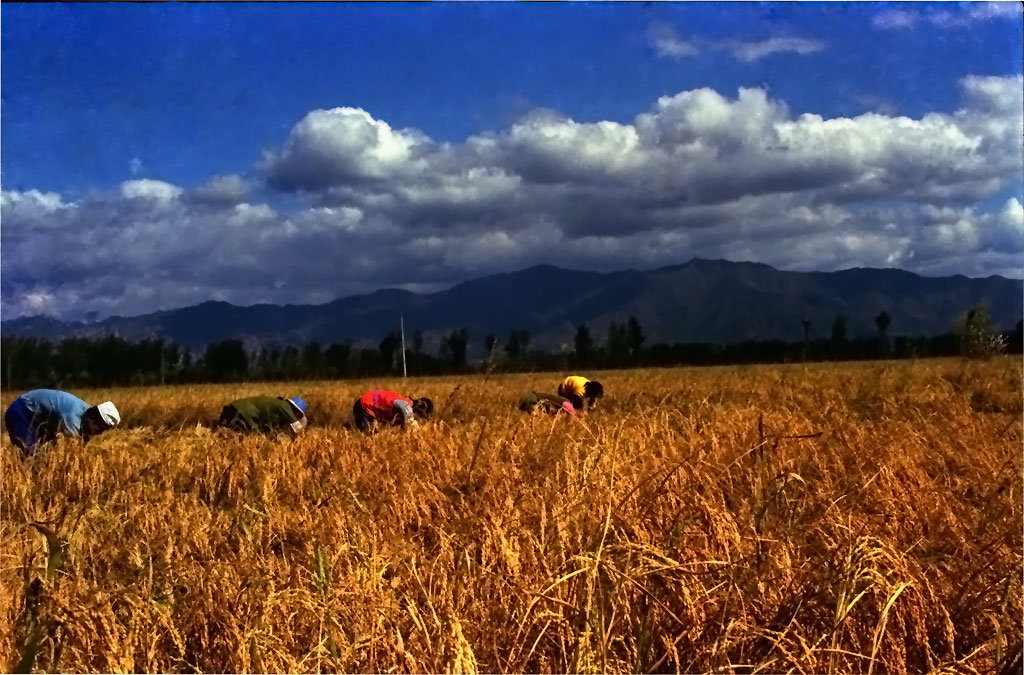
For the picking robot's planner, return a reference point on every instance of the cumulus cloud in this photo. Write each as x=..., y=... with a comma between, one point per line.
x=342, y=144
x=547, y=147
x=30, y=204
x=222, y=189
x=704, y=173
x=1005, y=230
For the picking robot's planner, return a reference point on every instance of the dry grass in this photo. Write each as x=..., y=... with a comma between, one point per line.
x=829, y=518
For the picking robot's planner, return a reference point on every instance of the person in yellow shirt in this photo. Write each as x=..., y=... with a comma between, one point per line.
x=580, y=390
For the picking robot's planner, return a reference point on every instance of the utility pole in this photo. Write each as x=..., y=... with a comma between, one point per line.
x=401, y=326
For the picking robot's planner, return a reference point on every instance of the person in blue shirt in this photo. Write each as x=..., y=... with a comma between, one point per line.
x=36, y=417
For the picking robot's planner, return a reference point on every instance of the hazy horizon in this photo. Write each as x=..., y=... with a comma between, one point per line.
x=94, y=317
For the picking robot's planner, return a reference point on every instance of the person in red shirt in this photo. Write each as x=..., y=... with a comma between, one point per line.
x=381, y=406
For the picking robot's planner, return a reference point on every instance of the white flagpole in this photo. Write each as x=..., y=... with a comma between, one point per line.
x=401, y=323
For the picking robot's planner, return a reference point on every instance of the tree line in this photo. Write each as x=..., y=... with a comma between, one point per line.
x=115, y=361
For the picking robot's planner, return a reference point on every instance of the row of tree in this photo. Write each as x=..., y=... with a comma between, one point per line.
x=111, y=360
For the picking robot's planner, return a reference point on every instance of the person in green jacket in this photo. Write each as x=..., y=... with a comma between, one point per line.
x=535, y=401
x=264, y=413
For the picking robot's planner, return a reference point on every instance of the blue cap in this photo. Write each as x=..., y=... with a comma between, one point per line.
x=298, y=403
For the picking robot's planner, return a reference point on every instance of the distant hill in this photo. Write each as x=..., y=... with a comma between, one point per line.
x=699, y=301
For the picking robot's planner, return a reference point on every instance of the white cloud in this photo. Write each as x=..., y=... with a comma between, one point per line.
x=995, y=10
x=476, y=186
x=757, y=50
x=703, y=119
x=247, y=215
x=560, y=148
x=325, y=219
x=894, y=19
x=341, y=144
x=963, y=15
x=1005, y=231
x=31, y=202
x=145, y=188
x=38, y=301
x=222, y=189
x=1013, y=214
x=1001, y=95
x=972, y=13
x=667, y=44
x=699, y=173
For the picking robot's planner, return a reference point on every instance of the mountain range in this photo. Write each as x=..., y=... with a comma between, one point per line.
x=699, y=301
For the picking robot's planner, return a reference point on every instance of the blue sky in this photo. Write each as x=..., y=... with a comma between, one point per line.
x=139, y=121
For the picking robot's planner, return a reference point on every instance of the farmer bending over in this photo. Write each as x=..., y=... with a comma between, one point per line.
x=580, y=391
x=36, y=417
x=533, y=401
x=264, y=413
x=386, y=407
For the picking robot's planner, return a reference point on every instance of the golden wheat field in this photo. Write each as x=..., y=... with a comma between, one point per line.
x=821, y=518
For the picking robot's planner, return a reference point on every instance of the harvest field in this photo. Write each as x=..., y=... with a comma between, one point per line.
x=821, y=518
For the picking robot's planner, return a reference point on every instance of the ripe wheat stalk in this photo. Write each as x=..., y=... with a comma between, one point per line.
x=823, y=518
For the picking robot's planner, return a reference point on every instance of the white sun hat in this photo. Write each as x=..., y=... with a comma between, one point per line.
x=109, y=413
